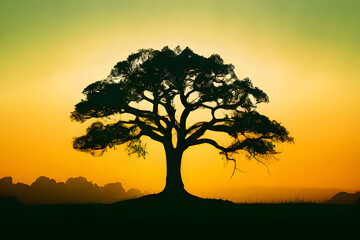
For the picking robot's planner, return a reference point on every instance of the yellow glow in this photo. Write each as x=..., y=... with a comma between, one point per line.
x=308, y=67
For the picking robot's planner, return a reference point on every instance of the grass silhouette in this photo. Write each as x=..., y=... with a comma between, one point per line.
x=159, y=217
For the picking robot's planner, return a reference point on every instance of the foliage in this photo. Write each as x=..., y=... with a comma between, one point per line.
x=163, y=79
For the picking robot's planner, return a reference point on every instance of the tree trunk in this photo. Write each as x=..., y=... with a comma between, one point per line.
x=174, y=185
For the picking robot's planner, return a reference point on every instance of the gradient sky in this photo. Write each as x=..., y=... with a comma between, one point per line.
x=304, y=54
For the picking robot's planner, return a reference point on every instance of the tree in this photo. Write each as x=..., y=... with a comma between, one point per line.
x=164, y=80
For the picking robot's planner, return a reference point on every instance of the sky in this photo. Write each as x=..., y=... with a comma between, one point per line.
x=303, y=54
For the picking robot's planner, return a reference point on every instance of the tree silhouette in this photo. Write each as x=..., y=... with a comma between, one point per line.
x=170, y=85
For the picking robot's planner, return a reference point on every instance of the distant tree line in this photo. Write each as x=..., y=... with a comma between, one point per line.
x=74, y=190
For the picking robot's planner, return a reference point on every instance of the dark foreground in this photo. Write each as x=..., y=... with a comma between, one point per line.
x=153, y=218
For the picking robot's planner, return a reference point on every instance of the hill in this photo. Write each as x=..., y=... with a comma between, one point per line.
x=344, y=198
x=153, y=217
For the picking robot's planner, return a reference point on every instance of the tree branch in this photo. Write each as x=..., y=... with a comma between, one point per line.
x=225, y=151
x=149, y=130
x=203, y=127
x=208, y=141
x=147, y=114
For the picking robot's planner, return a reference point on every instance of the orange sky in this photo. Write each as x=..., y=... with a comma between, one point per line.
x=304, y=55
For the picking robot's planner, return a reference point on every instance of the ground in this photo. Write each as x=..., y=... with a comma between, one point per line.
x=155, y=217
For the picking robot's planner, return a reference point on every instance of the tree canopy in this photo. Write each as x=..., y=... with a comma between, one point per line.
x=165, y=79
